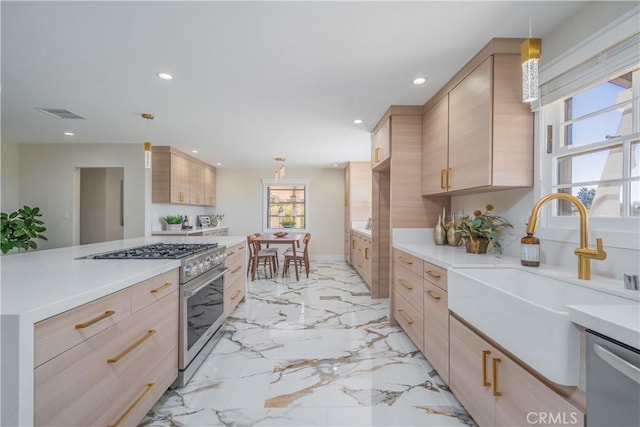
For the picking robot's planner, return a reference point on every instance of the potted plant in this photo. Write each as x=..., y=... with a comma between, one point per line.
x=20, y=229
x=288, y=222
x=481, y=229
x=174, y=222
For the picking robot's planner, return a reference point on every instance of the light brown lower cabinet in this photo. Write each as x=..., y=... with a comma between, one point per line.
x=115, y=376
x=496, y=390
x=235, y=278
x=361, y=255
x=436, y=329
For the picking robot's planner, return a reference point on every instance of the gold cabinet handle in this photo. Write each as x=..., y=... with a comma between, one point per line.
x=406, y=261
x=442, y=172
x=377, y=154
x=134, y=405
x=165, y=286
x=236, y=295
x=181, y=196
x=447, y=181
x=95, y=319
x=495, y=361
x=366, y=253
x=432, y=295
x=127, y=350
x=485, y=353
x=432, y=274
x=231, y=253
x=353, y=244
x=407, y=318
x=405, y=284
x=235, y=269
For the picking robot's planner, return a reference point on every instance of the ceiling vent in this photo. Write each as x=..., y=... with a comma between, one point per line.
x=61, y=113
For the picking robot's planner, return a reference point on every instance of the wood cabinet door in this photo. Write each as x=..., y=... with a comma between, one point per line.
x=381, y=144
x=468, y=365
x=436, y=329
x=210, y=186
x=196, y=183
x=526, y=401
x=470, y=129
x=435, y=143
x=180, y=175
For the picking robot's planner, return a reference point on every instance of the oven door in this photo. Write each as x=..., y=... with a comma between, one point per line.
x=201, y=313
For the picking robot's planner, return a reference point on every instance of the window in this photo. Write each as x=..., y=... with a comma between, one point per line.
x=596, y=153
x=285, y=205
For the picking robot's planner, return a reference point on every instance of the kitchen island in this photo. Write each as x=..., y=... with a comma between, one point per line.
x=38, y=285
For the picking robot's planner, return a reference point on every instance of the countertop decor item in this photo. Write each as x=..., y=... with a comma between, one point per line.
x=21, y=228
x=288, y=222
x=453, y=236
x=174, y=222
x=439, y=232
x=481, y=225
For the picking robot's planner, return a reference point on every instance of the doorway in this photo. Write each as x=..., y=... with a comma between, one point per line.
x=101, y=207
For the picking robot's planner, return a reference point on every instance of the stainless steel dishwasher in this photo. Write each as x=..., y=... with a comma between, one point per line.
x=613, y=382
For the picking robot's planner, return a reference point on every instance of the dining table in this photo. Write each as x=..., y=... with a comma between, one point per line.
x=292, y=239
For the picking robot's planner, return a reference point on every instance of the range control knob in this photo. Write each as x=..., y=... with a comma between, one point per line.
x=188, y=270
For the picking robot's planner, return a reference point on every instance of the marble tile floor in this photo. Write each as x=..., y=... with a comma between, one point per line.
x=318, y=352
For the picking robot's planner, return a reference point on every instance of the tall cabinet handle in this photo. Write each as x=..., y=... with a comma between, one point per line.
x=496, y=393
x=377, y=155
x=133, y=406
x=447, y=181
x=485, y=353
x=442, y=172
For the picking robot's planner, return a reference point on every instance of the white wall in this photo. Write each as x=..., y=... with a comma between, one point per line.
x=9, y=167
x=557, y=248
x=239, y=198
x=47, y=174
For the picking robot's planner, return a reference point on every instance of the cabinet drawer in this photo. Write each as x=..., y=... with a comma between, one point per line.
x=87, y=382
x=409, y=261
x=152, y=290
x=235, y=254
x=409, y=319
x=409, y=285
x=435, y=274
x=59, y=333
x=232, y=296
x=235, y=273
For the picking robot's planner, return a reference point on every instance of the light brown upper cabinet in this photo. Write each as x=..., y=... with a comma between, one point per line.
x=180, y=178
x=381, y=143
x=478, y=134
x=210, y=186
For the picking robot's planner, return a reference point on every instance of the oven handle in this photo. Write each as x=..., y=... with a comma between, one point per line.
x=619, y=364
x=189, y=293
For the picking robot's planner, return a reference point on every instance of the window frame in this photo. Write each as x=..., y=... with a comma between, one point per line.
x=266, y=183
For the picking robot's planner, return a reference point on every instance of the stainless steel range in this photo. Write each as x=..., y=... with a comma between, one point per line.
x=201, y=296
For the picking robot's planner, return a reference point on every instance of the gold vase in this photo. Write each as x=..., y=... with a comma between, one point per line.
x=476, y=246
x=439, y=233
x=453, y=237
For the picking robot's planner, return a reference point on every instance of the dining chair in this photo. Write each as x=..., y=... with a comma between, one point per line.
x=268, y=249
x=256, y=255
x=302, y=256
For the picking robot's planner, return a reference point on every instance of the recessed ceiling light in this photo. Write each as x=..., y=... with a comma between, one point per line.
x=218, y=164
x=419, y=81
x=194, y=151
x=165, y=76
x=335, y=165
x=357, y=121
x=69, y=133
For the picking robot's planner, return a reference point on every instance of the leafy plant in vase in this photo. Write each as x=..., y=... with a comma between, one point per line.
x=481, y=229
x=174, y=222
x=288, y=222
x=20, y=229
x=217, y=219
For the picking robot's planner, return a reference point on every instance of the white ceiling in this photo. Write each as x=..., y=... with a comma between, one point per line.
x=252, y=80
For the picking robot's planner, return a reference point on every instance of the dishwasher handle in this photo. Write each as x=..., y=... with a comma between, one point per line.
x=619, y=364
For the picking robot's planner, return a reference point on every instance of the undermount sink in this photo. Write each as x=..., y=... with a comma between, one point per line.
x=525, y=312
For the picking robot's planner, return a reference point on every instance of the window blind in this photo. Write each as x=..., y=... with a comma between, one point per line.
x=615, y=60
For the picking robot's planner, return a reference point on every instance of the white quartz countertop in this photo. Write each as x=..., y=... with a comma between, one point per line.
x=362, y=231
x=41, y=284
x=619, y=322
x=188, y=231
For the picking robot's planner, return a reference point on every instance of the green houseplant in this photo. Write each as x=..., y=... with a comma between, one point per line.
x=174, y=222
x=288, y=222
x=21, y=228
x=480, y=229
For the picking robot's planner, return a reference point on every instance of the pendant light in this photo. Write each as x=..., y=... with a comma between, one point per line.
x=147, y=144
x=280, y=171
x=529, y=56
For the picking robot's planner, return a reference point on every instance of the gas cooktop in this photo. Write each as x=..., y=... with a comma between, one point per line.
x=158, y=251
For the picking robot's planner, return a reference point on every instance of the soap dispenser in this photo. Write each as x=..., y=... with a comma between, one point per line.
x=530, y=251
